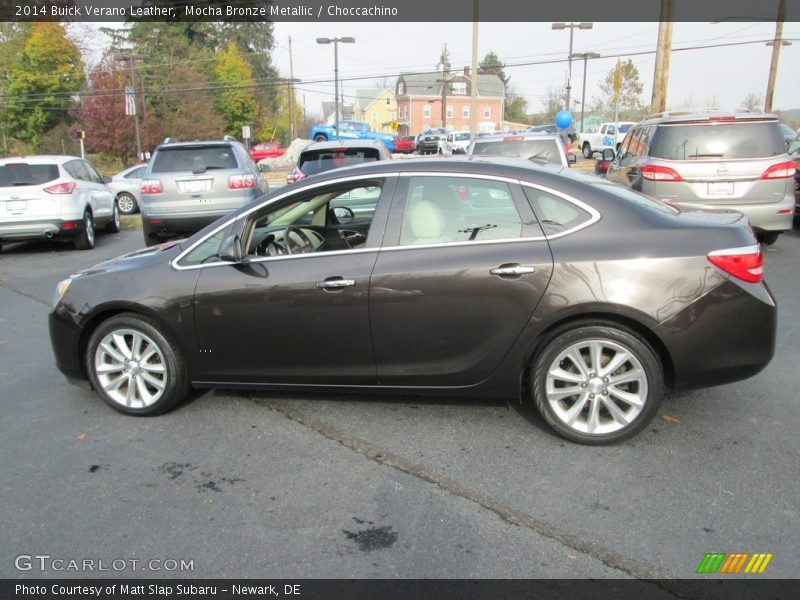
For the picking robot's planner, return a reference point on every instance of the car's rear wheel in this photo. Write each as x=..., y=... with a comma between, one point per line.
x=587, y=150
x=135, y=367
x=320, y=138
x=85, y=238
x=597, y=382
x=114, y=225
x=127, y=203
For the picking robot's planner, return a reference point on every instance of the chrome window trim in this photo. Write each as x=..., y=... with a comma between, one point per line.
x=174, y=263
x=595, y=215
x=466, y=243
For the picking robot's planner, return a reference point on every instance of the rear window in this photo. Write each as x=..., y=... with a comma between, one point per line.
x=196, y=159
x=319, y=161
x=545, y=150
x=756, y=139
x=22, y=174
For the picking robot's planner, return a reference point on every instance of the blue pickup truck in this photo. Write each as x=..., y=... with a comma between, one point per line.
x=352, y=130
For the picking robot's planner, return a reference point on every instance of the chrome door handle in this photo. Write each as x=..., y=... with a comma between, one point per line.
x=335, y=284
x=518, y=270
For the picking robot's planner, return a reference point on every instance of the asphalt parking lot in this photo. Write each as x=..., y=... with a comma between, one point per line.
x=330, y=486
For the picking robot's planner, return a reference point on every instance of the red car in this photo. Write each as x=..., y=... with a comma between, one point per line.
x=267, y=150
x=406, y=145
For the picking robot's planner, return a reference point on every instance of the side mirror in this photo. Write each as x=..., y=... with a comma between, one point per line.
x=231, y=249
x=572, y=159
x=264, y=168
x=106, y=179
x=608, y=155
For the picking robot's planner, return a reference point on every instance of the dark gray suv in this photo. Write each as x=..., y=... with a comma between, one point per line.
x=733, y=161
x=188, y=185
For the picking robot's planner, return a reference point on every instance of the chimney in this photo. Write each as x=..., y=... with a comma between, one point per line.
x=467, y=71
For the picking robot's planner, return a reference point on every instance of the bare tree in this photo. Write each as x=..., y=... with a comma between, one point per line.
x=753, y=102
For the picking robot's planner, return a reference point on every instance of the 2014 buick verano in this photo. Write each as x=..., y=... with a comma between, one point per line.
x=483, y=277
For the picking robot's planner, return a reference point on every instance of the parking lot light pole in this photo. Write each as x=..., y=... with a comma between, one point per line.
x=571, y=27
x=335, y=41
x=585, y=56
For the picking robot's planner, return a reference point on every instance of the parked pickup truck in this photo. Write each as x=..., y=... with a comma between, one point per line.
x=352, y=130
x=609, y=135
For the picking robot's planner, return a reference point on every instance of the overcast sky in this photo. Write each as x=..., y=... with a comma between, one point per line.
x=726, y=74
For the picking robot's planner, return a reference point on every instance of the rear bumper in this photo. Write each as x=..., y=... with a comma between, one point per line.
x=164, y=225
x=766, y=217
x=38, y=229
x=727, y=335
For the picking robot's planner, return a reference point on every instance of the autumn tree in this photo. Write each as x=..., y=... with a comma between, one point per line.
x=629, y=97
x=274, y=124
x=42, y=81
x=188, y=107
x=235, y=97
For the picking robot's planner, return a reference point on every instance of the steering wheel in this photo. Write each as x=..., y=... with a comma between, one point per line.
x=304, y=247
x=268, y=247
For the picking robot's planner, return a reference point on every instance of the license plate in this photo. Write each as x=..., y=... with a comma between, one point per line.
x=16, y=205
x=195, y=186
x=720, y=188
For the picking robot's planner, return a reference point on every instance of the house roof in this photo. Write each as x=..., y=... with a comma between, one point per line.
x=367, y=96
x=429, y=84
x=345, y=110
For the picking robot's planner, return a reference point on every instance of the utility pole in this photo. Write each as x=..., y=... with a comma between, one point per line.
x=658, y=101
x=473, y=85
x=776, y=52
x=445, y=64
x=291, y=94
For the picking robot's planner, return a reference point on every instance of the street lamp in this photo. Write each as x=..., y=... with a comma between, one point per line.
x=585, y=56
x=335, y=41
x=571, y=27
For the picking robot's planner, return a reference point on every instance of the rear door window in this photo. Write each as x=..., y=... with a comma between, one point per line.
x=319, y=161
x=718, y=140
x=23, y=174
x=533, y=149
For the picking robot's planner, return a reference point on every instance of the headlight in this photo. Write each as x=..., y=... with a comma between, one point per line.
x=61, y=289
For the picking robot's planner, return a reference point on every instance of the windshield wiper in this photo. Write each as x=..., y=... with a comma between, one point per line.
x=706, y=155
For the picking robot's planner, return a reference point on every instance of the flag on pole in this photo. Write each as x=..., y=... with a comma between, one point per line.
x=130, y=101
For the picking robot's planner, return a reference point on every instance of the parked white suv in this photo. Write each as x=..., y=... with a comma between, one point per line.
x=43, y=197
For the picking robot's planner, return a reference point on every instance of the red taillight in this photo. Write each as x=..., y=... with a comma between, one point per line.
x=513, y=138
x=745, y=263
x=782, y=170
x=69, y=225
x=61, y=188
x=659, y=173
x=151, y=186
x=241, y=182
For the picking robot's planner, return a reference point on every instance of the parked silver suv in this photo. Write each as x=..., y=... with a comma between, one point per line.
x=188, y=185
x=43, y=197
x=725, y=160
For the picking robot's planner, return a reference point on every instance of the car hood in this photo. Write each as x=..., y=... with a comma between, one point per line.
x=135, y=260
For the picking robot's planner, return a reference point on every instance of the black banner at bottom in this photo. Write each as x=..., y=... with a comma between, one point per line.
x=399, y=589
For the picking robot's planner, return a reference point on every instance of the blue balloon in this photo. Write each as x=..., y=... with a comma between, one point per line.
x=564, y=119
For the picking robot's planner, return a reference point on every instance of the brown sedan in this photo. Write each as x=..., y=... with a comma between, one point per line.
x=483, y=277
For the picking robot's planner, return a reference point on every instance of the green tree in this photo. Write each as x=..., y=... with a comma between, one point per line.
x=235, y=98
x=41, y=83
x=189, y=107
x=629, y=97
x=491, y=65
x=274, y=124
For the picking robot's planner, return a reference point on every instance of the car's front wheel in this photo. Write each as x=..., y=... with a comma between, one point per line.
x=597, y=382
x=135, y=367
x=320, y=138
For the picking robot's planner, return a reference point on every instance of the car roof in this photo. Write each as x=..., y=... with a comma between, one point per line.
x=40, y=158
x=226, y=141
x=522, y=135
x=694, y=115
x=344, y=144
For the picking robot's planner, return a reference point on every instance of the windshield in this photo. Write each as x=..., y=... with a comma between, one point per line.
x=728, y=140
x=197, y=159
x=319, y=161
x=538, y=149
x=625, y=127
x=21, y=174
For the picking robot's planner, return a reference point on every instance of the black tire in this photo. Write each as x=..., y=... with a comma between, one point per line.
x=600, y=414
x=133, y=390
x=85, y=239
x=127, y=203
x=320, y=138
x=114, y=225
x=587, y=150
x=768, y=238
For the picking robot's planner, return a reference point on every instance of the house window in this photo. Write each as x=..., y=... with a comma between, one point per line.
x=459, y=88
x=487, y=112
x=465, y=111
x=426, y=111
x=449, y=111
x=401, y=88
x=374, y=117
